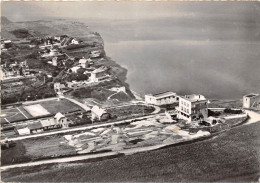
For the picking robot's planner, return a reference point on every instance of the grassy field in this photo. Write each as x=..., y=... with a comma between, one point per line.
x=231, y=156
x=130, y=111
x=33, y=149
x=52, y=106
x=226, y=103
x=14, y=114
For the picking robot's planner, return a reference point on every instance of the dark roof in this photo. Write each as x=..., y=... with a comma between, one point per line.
x=35, y=126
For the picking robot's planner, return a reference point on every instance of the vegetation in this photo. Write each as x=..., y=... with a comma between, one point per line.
x=213, y=113
x=233, y=111
x=21, y=33
x=76, y=46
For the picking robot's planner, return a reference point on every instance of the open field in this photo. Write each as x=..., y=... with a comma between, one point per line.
x=14, y=114
x=231, y=156
x=31, y=149
x=46, y=107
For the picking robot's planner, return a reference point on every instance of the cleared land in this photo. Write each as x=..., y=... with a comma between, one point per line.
x=231, y=156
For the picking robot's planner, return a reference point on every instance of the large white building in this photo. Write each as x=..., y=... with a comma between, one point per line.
x=192, y=107
x=251, y=100
x=161, y=98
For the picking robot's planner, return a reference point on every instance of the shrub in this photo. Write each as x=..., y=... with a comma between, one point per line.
x=213, y=113
x=232, y=111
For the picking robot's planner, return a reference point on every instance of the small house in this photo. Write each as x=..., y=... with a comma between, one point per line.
x=61, y=120
x=99, y=113
x=251, y=100
x=84, y=63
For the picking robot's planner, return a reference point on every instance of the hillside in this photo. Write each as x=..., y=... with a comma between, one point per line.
x=42, y=28
x=5, y=20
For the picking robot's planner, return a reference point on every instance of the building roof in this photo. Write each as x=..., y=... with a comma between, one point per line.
x=58, y=116
x=252, y=95
x=100, y=69
x=163, y=95
x=194, y=98
x=48, y=122
x=83, y=61
x=98, y=111
x=35, y=126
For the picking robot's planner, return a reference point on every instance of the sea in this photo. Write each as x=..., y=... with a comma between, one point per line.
x=185, y=56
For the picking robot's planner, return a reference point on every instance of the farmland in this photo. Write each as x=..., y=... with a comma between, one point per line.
x=216, y=159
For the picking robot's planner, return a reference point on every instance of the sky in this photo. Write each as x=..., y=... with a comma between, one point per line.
x=21, y=11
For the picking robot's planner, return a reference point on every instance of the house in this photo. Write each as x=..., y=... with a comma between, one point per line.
x=99, y=74
x=55, y=61
x=59, y=87
x=251, y=100
x=35, y=127
x=95, y=54
x=161, y=98
x=23, y=131
x=61, y=120
x=192, y=107
x=84, y=63
x=49, y=123
x=74, y=41
x=99, y=113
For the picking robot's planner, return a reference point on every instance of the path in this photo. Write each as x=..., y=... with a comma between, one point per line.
x=77, y=129
x=85, y=107
x=254, y=117
x=22, y=112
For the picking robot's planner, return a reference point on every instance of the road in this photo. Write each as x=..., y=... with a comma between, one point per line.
x=254, y=117
x=76, y=129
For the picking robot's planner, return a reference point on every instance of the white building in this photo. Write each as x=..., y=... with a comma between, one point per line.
x=84, y=63
x=192, y=107
x=74, y=41
x=251, y=100
x=161, y=98
x=99, y=74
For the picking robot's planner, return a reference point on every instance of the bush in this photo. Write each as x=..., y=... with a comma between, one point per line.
x=233, y=111
x=213, y=113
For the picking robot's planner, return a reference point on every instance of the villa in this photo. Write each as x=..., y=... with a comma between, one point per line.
x=192, y=107
x=251, y=100
x=161, y=98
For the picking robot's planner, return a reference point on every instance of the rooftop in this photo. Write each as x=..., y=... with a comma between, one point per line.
x=194, y=97
x=163, y=94
x=251, y=95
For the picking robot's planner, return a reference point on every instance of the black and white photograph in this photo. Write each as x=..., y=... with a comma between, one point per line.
x=130, y=91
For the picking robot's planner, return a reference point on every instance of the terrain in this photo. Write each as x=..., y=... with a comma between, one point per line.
x=24, y=31
x=215, y=159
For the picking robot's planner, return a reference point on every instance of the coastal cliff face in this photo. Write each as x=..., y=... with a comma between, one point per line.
x=73, y=29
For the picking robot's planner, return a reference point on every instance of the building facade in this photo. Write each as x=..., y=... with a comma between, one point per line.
x=192, y=107
x=161, y=98
x=251, y=100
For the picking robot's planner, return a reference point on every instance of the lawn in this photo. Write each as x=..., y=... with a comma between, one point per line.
x=62, y=105
x=230, y=156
